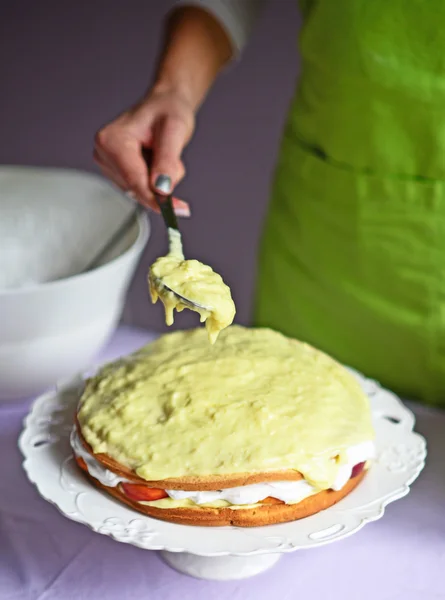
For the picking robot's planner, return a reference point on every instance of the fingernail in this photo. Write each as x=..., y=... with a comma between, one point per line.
x=131, y=195
x=163, y=184
x=182, y=212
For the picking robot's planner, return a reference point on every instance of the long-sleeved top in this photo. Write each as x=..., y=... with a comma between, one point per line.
x=236, y=16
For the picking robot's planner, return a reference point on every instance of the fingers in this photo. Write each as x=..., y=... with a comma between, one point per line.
x=162, y=124
x=128, y=170
x=110, y=171
x=167, y=168
x=181, y=208
x=121, y=154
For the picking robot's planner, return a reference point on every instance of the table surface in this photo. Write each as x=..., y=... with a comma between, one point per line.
x=45, y=556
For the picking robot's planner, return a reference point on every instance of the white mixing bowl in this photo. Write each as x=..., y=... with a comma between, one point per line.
x=52, y=320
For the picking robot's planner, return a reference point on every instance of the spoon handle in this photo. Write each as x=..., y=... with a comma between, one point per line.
x=168, y=214
x=165, y=203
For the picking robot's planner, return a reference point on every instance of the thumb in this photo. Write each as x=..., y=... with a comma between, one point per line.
x=167, y=168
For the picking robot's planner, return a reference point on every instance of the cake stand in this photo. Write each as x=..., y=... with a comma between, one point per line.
x=220, y=553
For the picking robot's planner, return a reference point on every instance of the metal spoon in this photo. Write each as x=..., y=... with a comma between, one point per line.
x=168, y=214
x=115, y=238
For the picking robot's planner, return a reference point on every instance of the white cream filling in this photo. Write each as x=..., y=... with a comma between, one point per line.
x=95, y=469
x=289, y=492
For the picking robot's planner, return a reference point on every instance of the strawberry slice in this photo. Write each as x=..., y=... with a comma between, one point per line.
x=357, y=469
x=82, y=464
x=139, y=492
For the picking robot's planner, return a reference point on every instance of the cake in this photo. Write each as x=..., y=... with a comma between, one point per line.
x=255, y=430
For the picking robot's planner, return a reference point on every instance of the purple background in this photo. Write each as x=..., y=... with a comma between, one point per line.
x=67, y=68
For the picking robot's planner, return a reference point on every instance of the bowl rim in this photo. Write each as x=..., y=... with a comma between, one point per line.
x=136, y=247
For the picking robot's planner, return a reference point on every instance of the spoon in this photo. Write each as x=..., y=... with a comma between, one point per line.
x=115, y=238
x=175, y=246
x=165, y=203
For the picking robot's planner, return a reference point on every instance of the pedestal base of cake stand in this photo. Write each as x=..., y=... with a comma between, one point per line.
x=220, y=568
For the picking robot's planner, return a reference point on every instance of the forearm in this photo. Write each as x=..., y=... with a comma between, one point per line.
x=201, y=36
x=196, y=48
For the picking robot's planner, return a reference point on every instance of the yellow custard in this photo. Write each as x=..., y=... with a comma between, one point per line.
x=256, y=401
x=196, y=282
x=170, y=503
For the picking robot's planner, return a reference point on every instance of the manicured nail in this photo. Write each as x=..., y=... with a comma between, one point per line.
x=131, y=195
x=183, y=211
x=163, y=184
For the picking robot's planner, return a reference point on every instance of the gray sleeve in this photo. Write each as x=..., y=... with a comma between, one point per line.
x=236, y=16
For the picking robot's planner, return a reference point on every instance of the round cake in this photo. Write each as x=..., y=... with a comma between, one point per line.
x=254, y=430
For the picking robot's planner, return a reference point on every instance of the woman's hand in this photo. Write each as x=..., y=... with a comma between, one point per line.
x=196, y=47
x=163, y=124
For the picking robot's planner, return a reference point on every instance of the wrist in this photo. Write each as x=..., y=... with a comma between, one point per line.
x=182, y=90
x=196, y=47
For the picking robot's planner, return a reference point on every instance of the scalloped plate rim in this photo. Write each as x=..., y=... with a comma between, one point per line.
x=377, y=506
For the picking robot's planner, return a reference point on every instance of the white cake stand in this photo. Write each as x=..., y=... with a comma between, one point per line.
x=222, y=552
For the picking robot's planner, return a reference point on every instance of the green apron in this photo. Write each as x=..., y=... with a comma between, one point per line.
x=353, y=253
